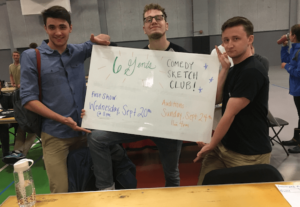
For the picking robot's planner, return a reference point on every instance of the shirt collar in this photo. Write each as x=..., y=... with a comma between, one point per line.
x=44, y=48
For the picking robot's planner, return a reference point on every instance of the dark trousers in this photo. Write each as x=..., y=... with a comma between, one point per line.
x=4, y=138
x=297, y=103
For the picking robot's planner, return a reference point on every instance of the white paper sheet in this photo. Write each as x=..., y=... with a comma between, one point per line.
x=151, y=93
x=30, y=7
x=291, y=193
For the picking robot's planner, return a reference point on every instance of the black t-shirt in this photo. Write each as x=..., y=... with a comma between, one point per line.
x=172, y=47
x=249, y=132
x=263, y=61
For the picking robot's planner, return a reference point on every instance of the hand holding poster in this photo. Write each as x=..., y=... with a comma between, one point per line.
x=151, y=93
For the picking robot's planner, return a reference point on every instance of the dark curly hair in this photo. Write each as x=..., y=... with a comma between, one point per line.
x=58, y=12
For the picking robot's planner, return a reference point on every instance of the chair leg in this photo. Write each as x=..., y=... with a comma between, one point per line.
x=279, y=140
x=271, y=138
x=40, y=141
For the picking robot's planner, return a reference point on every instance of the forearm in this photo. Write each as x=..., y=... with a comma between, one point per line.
x=11, y=79
x=221, y=82
x=37, y=107
x=221, y=129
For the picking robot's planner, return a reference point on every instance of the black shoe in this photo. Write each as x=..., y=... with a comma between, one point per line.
x=14, y=157
x=295, y=149
x=6, y=153
x=291, y=142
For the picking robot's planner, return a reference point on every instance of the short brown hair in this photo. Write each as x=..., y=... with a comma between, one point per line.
x=155, y=7
x=58, y=12
x=33, y=45
x=236, y=21
x=16, y=52
x=295, y=30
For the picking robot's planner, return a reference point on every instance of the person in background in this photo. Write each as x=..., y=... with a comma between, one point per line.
x=33, y=45
x=14, y=70
x=241, y=137
x=261, y=59
x=22, y=143
x=291, y=63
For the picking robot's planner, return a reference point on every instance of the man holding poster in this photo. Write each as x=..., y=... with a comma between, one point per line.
x=63, y=90
x=241, y=137
x=155, y=27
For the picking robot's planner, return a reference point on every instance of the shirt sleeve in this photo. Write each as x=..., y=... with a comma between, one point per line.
x=9, y=69
x=285, y=55
x=29, y=77
x=248, y=84
x=293, y=70
x=85, y=48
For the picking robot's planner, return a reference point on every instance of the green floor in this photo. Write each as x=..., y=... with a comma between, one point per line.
x=38, y=173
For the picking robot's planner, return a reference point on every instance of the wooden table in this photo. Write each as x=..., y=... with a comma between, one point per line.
x=8, y=120
x=263, y=194
x=8, y=90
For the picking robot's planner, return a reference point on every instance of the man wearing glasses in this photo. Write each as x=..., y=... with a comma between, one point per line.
x=155, y=26
x=103, y=144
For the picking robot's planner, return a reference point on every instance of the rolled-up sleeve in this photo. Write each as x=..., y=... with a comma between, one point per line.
x=29, y=89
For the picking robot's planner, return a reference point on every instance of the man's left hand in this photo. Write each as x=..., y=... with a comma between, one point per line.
x=204, y=151
x=201, y=144
x=282, y=65
x=101, y=39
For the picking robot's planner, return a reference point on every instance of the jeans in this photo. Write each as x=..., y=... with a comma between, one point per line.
x=100, y=141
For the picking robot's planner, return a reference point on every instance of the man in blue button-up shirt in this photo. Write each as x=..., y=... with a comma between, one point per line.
x=63, y=92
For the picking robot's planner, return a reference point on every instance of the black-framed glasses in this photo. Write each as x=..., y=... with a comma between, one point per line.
x=157, y=18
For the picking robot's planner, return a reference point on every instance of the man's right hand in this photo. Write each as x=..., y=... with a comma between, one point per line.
x=101, y=39
x=13, y=85
x=223, y=58
x=71, y=123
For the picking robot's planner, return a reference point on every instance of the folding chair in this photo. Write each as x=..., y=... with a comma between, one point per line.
x=276, y=122
x=243, y=174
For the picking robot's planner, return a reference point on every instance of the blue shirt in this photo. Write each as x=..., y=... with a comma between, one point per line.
x=63, y=83
x=292, y=67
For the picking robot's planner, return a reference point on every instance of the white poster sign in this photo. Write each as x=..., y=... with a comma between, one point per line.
x=151, y=93
x=30, y=7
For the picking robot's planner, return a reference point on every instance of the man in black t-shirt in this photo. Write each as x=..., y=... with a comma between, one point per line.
x=104, y=146
x=241, y=137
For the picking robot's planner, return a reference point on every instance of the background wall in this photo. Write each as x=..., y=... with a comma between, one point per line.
x=122, y=20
